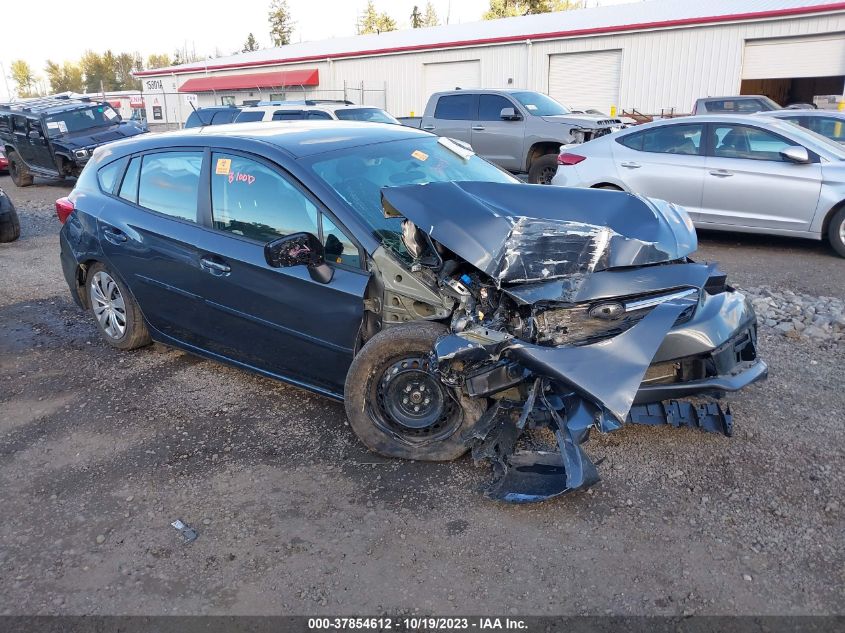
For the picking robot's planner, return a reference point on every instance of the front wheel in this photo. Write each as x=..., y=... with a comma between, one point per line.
x=836, y=232
x=543, y=170
x=396, y=403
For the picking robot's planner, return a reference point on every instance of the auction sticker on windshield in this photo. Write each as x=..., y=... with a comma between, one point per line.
x=419, y=155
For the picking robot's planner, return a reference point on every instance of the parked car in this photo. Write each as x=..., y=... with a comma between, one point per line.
x=56, y=136
x=4, y=162
x=212, y=115
x=318, y=109
x=10, y=227
x=828, y=123
x=731, y=172
x=626, y=120
x=741, y=104
x=519, y=130
x=449, y=304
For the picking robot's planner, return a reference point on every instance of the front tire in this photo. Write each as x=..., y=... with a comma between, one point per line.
x=397, y=405
x=115, y=310
x=542, y=170
x=836, y=232
x=19, y=171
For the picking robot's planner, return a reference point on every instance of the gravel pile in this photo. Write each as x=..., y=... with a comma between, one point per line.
x=797, y=315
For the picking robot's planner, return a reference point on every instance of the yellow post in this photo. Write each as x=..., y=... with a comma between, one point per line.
x=613, y=111
x=412, y=113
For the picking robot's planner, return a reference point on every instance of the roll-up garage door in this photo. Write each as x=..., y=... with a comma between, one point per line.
x=450, y=75
x=586, y=80
x=790, y=58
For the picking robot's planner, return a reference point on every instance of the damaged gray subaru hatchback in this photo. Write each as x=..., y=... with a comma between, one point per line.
x=450, y=306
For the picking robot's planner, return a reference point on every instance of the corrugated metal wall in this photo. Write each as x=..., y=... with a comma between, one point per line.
x=661, y=69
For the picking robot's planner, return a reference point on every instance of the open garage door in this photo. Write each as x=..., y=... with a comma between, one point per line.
x=795, y=69
x=586, y=80
x=451, y=75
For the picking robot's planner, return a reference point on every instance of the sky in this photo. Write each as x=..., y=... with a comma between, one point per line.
x=66, y=29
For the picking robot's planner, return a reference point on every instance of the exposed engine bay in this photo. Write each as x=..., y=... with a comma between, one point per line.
x=568, y=313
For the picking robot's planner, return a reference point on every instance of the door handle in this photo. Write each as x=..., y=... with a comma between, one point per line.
x=721, y=173
x=215, y=267
x=113, y=235
x=478, y=128
x=428, y=127
x=631, y=165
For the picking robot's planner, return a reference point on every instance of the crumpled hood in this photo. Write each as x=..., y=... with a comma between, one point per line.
x=518, y=233
x=589, y=121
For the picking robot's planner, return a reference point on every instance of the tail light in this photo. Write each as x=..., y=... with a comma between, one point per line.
x=570, y=159
x=64, y=207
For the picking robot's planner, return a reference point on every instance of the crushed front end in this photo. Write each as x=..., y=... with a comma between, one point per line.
x=572, y=310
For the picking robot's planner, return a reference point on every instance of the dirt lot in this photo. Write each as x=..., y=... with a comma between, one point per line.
x=101, y=450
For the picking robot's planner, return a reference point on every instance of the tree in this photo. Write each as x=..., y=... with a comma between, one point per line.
x=511, y=8
x=99, y=70
x=281, y=23
x=251, y=44
x=375, y=22
x=124, y=65
x=64, y=78
x=416, y=18
x=23, y=77
x=430, y=16
x=158, y=61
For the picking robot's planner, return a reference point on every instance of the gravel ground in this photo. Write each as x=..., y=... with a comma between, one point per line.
x=101, y=450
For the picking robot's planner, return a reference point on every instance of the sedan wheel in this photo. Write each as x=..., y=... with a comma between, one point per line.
x=118, y=316
x=836, y=232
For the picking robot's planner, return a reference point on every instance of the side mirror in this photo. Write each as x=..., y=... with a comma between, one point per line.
x=509, y=114
x=796, y=154
x=299, y=249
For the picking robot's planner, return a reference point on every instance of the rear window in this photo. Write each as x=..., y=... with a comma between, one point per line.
x=456, y=107
x=372, y=115
x=169, y=183
x=246, y=117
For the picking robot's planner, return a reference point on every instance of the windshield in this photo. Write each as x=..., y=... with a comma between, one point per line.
x=81, y=119
x=539, y=104
x=359, y=173
x=372, y=115
x=817, y=142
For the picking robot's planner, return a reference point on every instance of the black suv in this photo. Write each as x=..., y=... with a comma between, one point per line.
x=55, y=136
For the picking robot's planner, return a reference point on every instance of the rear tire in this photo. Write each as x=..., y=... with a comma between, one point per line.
x=10, y=226
x=19, y=171
x=542, y=170
x=836, y=232
x=115, y=310
x=398, y=407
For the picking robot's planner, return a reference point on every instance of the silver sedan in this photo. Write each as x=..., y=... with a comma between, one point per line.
x=731, y=172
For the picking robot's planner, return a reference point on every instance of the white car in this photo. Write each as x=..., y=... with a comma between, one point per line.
x=313, y=109
x=731, y=172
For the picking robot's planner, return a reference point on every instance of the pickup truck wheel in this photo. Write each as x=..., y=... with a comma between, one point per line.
x=396, y=403
x=118, y=316
x=10, y=226
x=543, y=170
x=19, y=172
x=836, y=232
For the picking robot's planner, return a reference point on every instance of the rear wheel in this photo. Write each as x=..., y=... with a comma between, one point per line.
x=118, y=316
x=10, y=227
x=396, y=403
x=19, y=171
x=836, y=232
x=542, y=170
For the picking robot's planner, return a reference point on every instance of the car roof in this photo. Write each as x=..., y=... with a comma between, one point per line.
x=804, y=112
x=297, y=138
x=732, y=97
x=47, y=105
x=329, y=107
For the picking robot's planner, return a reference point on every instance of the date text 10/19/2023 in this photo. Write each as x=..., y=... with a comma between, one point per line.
x=417, y=623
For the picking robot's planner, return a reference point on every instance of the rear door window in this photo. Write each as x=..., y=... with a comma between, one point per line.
x=668, y=139
x=319, y=114
x=456, y=107
x=224, y=116
x=252, y=200
x=249, y=116
x=169, y=182
x=288, y=115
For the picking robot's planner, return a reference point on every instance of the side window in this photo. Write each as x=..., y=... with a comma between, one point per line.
x=743, y=141
x=254, y=201
x=129, y=186
x=339, y=249
x=490, y=107
x=227, y=100
x=319, y=114
x=249, y=115
x=19, y=124
x=633, y=141
x=828, y=126
x=169, y=183
x=108, y=175
x=673, y=139
x=224, y=116
x=455, y=107
x=288, y=115
x=5, y=123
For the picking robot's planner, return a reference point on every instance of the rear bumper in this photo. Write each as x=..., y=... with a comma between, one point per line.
x=70, y=267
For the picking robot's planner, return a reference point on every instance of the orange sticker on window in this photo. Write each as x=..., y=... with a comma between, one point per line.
x=419, y=155
x=223, y=166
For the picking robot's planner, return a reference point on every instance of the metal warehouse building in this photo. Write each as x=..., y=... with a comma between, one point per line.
x=655, y=56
